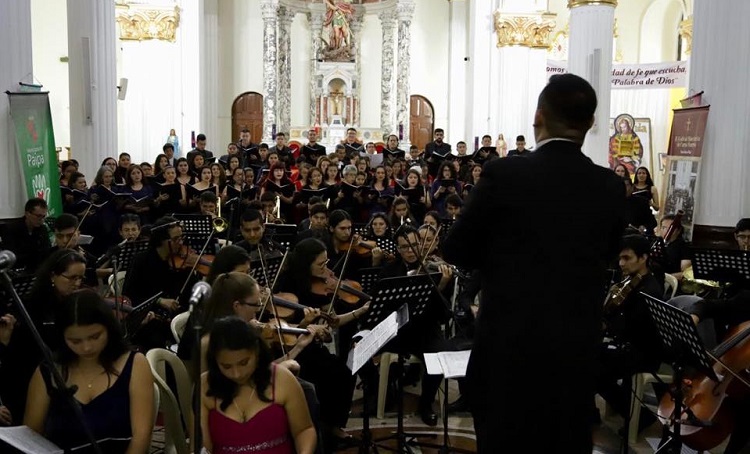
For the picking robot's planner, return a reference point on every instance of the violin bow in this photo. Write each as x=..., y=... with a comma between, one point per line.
x=343, y=268
x=423, y=256
x=78, y=224
x=197, y=260
x=273, y=305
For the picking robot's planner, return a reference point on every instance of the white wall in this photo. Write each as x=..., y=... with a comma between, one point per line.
x=429, y=58
x=300, y=61
x=659, y=31
x=49, y=34
x=240, y=56
x=369, y=92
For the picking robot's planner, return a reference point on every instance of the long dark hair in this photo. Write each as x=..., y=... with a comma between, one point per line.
x=226, y=289
x=226, y=260
x=232, y=333
x=649, y=181
x=370, y=234
x=86, y=307
x=443, y=165
x=42, y=294
x=297, y=268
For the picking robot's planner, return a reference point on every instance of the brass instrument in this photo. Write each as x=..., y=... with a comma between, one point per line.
x=219, y=223
x=695, y=286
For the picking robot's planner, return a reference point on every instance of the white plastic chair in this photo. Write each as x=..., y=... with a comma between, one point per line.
x=178, y=324
x=670, y=286
x=639, y=382
x=386, y=359
x=175, y=409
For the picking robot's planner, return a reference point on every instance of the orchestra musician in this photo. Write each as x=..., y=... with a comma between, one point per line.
x=254, y=240
x=633, y=347
x=541, y=272
x=422, y=335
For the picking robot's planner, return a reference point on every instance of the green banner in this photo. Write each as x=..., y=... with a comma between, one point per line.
x=35, y=140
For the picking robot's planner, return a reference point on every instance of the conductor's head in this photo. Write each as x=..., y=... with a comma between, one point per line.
x=565, y=109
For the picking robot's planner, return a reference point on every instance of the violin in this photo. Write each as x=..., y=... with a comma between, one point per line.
x=121, y=306
x=348, y=291
x=706, y=399
x=184, y=259
x=277, y=331
x=287, y=304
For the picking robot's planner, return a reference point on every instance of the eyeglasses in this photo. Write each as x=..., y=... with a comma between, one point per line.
x=73, y=278
x=39, y=215
x=743, y=237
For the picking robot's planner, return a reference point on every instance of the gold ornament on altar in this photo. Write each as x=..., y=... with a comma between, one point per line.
x=577, y=3
x=532, y=30
x=137, y=22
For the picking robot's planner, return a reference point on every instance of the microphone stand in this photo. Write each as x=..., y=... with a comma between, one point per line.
x=48, y=367
x=196, y=313
x=115, y=292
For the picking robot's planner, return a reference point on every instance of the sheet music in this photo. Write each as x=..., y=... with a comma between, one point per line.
x=26, y=440
x=448, y=364
x=372, y=341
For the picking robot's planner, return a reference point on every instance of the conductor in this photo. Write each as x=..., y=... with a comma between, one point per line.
x=548, y=223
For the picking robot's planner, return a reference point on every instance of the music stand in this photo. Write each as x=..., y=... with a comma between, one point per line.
x=138, y=314
x=722, y=265
x=128, y=251
x=272, y=266
x=284, y=234
x=23, y=285
x=389, y=295
x=369, y=278
x=196, y=229
x=683, y=348
x=386, y=244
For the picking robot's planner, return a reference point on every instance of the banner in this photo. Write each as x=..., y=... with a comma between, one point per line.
x=655, y=75
x=688, y=129
x=35, y=141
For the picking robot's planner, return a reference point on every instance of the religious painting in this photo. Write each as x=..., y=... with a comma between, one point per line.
x=630, y=143
x=680, y=190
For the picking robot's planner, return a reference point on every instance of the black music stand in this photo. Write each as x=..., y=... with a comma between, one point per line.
x=386, y=244
x=388, y=296
x=138, y=314
x=722, y=265
x=369, y=278
x=683, y=348
x=127, y=253
x=23, y=285
x=271, y=265
x=284, y=234
x=196, y=229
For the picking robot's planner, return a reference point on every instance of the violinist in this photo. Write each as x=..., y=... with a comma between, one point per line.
x=318, y=225
x=28, y=237
x=67, y=235
x=340, y=239
x=156, y=270
x=254, y=240
x=334, y=382
x=422, y=335
x=633, y=347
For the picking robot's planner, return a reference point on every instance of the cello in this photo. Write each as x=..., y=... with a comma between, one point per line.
x=706, y=399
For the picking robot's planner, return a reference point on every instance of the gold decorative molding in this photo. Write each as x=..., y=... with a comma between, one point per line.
x=527, y=30
x=686, y=32
x=139, y=22
x=576, y=3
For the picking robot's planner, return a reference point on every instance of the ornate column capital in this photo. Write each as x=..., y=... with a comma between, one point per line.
x=286, y=16
x=405, y=10
x=137, y=22
x=387, y=19
x=576, y=3
x=527, y=30
x=686, y=32
x=269, y=9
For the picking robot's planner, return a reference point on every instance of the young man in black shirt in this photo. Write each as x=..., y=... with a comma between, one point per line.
x=436, y=152
x=28, y=238
x=520, y=147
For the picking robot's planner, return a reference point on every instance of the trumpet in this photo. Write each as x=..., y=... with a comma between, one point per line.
x=219, y=223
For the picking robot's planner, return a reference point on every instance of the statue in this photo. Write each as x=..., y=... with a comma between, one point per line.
x=337, y=35
x=336, y=97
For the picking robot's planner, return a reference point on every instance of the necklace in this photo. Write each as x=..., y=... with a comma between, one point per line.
x=90, y=383
x=241, y=412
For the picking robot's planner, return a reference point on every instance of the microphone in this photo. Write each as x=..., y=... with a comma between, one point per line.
x=200, y=290
x=7, y=259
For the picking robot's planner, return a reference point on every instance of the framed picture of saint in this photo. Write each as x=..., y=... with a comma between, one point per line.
x=630, y=143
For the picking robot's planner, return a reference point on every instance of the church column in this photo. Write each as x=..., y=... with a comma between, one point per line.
x=388, y=24
x=316, y=29
x=268, y=9
x=405, y=12
x=93, y=82
x=356, y=27
x=518, y=72
x=286, y=16
x=209, y=83
x=590, y=56
x=15, y=53
x=720, y=45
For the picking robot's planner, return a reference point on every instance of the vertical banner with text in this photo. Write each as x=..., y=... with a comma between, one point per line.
x=688, y=127
x=35, y=140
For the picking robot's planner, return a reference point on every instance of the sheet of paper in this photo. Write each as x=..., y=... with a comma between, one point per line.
x=372, y=342
x=454, y=364
x=432, y=364
x=26, y=440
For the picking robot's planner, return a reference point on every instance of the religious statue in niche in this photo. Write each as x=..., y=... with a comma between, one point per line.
x=337, y=34
x=336, y=97
x=625, y=146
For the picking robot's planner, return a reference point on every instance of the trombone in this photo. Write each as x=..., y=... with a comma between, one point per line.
x=219, y=223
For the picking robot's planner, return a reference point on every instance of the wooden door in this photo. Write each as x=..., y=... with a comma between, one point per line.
x=421, y=121
x=247, y=112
